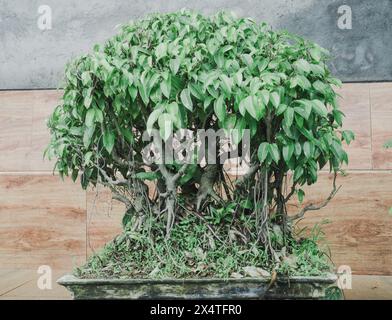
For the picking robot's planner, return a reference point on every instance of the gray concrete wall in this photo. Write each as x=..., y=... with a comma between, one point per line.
x=33, y=58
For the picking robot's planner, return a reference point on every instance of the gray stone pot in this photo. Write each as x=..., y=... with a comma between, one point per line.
x=246, y=288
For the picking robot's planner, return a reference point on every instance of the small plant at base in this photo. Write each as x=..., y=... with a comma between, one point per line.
x=192, y=252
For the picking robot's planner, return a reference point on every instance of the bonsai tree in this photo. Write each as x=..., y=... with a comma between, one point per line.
x=186, y=71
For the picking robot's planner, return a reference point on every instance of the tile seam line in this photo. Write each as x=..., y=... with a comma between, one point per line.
x=56, y=174
x=10, y=290
x=56, y=89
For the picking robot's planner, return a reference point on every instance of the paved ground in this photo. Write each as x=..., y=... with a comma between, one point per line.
x=22, y=284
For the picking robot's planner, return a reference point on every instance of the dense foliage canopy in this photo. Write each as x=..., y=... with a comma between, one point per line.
x=185, y=70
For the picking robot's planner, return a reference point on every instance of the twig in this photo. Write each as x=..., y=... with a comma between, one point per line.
x=291, y=192
x=122, y=182
x=312, y=207
x=119, y=197
x=204, y=220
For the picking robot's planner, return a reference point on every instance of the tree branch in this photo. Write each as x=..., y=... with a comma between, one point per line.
x=121, y=182
x=312, y=207
x=291, y=192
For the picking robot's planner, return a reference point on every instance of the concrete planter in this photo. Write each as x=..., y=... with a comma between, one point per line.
x=246, y=288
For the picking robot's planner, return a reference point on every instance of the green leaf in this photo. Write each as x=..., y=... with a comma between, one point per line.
x=86, y=78
x=90, y=117
x=254, y=107
x=220, y=108
x=287, y=152
x=207, y=102
x=165, y=122
x=152, y=82
x=212, y=46
x=265, y=96
x=321, y=87
x=262, y=64
x=289, y=116
x=319, y=108
x=88, y=134
x=98, y=115
x=305, y=109
x=306, y=133
x=132, y=92
x=108, y=140
x=88, y=98
x=337, y=150
x=166, y=87
x=247, y=105
x=85, y=178
x=282, y=108
x=338, y=115
x=298, y=172
x=299, y=120
x=191, y=172
x=246, y=204
x=196, y=91
x=348, y=136
x=143, y=93
x=247, y=59
x=238, y=78
x=174, y=111
x=317, y=69
x=302, y=66
x=127, y=217
x=273, y=150
x=75, y=174
x=238, y=131
x=297, y=149
x=300, y=194
x=76, y=131
x=161, y=51
x=152, y=119
x=128, y=135
x=262, y=152
x=174, y=65
x=315, y=53
x=87, y=158
x=226, y=83
x=303, y=82
x=275, y=99
x=186, y=99
x=118, y=103
x=147, y=176
x=230, y=122
x=255, y=85
x=307, y=149
x=219, y=59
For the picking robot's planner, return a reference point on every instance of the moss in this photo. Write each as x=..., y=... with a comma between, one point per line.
x=193, y=252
